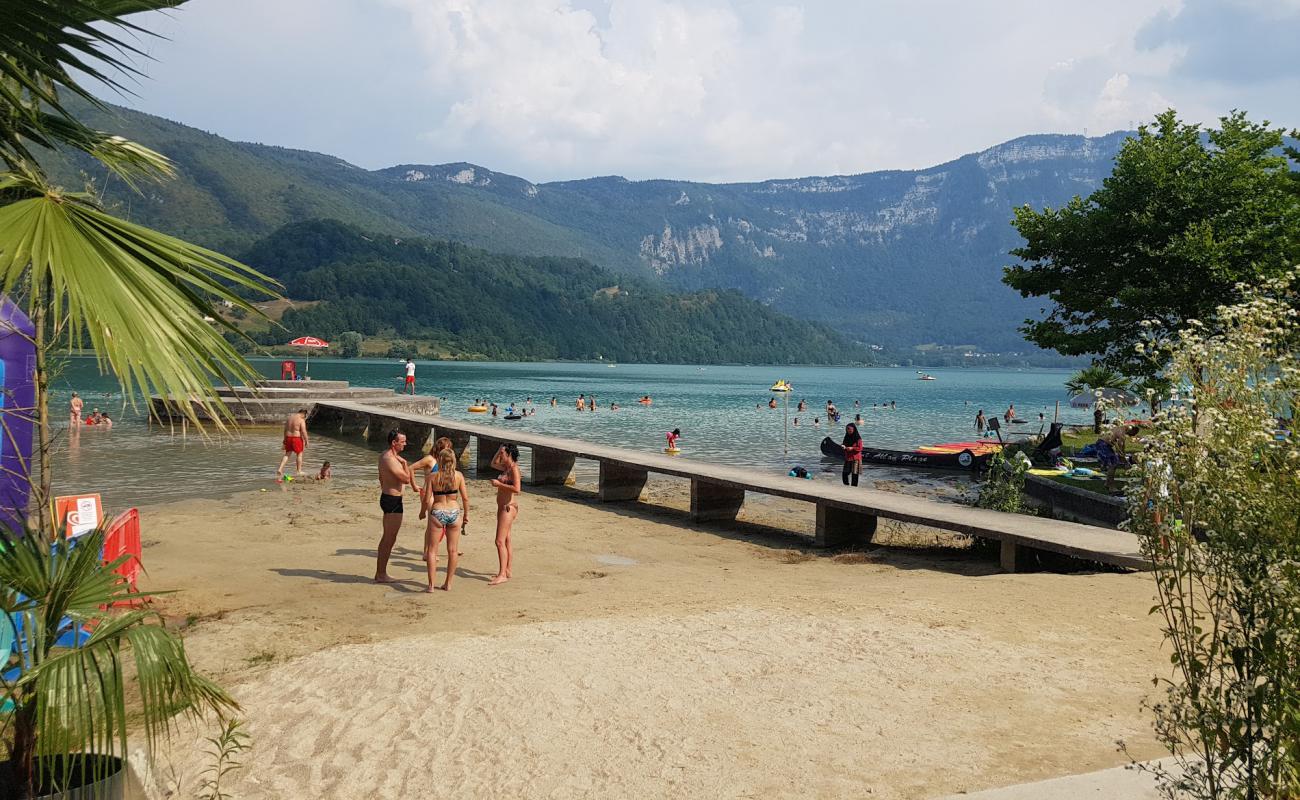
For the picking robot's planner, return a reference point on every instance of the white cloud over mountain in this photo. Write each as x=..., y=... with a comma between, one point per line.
x=705, y=89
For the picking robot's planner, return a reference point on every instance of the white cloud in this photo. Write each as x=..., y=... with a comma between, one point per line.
x=700, y=89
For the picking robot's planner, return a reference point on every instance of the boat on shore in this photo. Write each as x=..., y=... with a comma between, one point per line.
x=934, y=457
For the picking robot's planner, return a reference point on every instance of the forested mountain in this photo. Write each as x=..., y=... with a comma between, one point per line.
x=897, y=258
x=471, y=302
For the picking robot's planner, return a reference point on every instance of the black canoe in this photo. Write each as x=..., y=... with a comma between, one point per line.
x=904, y=458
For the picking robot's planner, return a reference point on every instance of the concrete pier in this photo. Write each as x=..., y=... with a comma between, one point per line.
x=845, y=515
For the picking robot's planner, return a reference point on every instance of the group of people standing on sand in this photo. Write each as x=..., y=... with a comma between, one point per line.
x=444, y=501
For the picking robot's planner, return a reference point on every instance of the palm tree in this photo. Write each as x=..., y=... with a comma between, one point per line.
x=1094, y=379
x=1090, y=379
x=140, y=299
x=70, y=702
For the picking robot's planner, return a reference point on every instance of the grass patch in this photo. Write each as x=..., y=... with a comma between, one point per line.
x=264, y=657
x=794, y=557
x=857, y=558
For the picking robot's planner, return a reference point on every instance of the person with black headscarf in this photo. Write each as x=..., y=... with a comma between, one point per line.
x=852, y=453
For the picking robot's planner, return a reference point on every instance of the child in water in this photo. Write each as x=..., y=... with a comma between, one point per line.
x=673, y=436
x=326, y=472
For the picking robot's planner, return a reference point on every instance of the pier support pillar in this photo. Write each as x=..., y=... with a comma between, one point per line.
x=459, y=442
x=551, y=467
x=1018, y=557
x=714, y=501
x=839, y=526
x=325, y=419
x=618, y=482
x=487, y=448
x=353, y=423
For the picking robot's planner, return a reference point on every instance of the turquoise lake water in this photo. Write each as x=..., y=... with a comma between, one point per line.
x=714, y=407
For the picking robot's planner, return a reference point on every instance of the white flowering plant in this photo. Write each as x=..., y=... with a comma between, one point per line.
x=1216, y=504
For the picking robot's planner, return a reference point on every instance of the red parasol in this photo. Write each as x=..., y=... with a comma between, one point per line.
x=308, y=341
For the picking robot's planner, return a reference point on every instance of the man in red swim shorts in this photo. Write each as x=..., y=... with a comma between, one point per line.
x=295, y=441
x=410, y=376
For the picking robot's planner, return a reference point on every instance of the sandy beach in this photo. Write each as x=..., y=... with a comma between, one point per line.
x=637, y=655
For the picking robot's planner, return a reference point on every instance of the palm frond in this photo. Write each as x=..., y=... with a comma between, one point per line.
x=44, y=46
x=140, y=297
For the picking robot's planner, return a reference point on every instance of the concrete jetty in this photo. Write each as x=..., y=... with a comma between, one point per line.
x=845, y=515
x=269, y=402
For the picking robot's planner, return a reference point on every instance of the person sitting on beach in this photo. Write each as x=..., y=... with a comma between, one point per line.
x=1111, y=451
x=326, y=472
x=442, y=489
x=394, y=476
x=507, y=486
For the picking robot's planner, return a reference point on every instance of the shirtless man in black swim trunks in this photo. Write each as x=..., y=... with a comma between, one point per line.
x=394, y=476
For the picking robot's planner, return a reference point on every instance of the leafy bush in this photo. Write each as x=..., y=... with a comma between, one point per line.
x=1003, y=486
x=349, y=344
x=1218, y=512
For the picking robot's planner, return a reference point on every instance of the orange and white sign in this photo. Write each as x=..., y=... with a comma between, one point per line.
x=80, y=513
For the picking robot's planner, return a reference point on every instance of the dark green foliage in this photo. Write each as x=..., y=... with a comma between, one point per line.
x=473, y=303
x=1184, y=218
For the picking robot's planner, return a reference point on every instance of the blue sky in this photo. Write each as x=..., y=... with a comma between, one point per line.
x=705, y=89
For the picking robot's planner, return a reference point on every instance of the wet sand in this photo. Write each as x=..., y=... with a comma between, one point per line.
x=637, y=655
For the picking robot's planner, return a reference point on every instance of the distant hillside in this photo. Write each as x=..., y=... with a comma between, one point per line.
x=473, y=303
x=896, y=258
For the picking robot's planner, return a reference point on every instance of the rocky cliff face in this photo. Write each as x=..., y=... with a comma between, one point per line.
x=894, y=257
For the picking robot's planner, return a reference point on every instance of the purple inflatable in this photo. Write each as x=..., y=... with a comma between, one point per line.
x=17, y=410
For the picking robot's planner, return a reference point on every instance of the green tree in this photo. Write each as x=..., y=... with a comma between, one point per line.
x=1185, y=216
x=349, y=343
x=1217, y=510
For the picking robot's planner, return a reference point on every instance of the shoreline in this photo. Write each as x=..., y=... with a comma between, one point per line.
x=635, y=653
